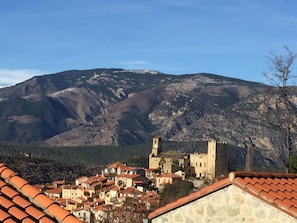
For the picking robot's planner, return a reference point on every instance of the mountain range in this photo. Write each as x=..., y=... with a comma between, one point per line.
x=127, y=107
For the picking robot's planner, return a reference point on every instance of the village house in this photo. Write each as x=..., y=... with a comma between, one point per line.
x=82, y=214
x=70, y=192
x=101, y=212
x=55, y=193
x=130, y=192
x=58, y=183
x=166, y=178
x=242, y=197
x=132, y=180
x=70, y=204
x=93, y=182
x=150, y=172
x=80, y=180
x=118, y=168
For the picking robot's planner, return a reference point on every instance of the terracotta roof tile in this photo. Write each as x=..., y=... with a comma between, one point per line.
x=273, y=187
x=268, y=180
x=5, y=202
x=9, y=220
x=293, y=209
x=46, y=220
x=44, y=201
x=268, y=196
x=3, y=215
x=262, y=187
x=294, y=201
x=28, y=220
x=2, y=183
x=276, y=189
x=292, y=181
x=34, y=212
x=3, y=167
x=9, y=192
x=18, y=182
x=290, y=188
x=283, y=203
x=281, y=195
x=59, y=212
x=249, y=180
x=21, y=202
x=273, y=195
x=71, y=219
x=30, y=191
x=17, y=213
x=254, y=188
x=7, y=173
x=242, y=181
x=288, y=195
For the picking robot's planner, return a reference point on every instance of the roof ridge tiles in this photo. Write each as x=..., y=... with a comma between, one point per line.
x=242, y=174
x=18, y=182
x=7, y=173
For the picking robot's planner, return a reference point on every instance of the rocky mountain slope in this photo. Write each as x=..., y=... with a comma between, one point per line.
x=121, y=107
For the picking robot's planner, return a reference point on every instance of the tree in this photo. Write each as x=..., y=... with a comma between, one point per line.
x=172, y=192
x=249, y=154
x=161, y=164
x=281, y=109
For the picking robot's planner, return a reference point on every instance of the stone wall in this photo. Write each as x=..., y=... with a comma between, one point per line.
x=230, y=204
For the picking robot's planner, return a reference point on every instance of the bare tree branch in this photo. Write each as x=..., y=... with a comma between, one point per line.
x=281, y=109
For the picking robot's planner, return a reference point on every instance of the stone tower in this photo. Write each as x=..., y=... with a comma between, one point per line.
x=217, y=159
x=157, y=146
x=154, y=158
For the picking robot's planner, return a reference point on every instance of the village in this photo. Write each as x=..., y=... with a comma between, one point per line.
x=122, y=193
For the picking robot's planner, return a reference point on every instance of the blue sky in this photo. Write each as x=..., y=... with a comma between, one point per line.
x=226, y=37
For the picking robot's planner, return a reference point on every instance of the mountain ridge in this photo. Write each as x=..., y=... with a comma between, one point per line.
x=126, y=107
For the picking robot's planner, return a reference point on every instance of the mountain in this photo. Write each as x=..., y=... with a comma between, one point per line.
x=126, y=107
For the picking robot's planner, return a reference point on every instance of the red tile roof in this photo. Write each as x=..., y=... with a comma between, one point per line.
x=131, y=190
x=54, y=191
x=115, y=165
x=277, y=189
x=21, y=202
x=130, y=176
x=168, y=175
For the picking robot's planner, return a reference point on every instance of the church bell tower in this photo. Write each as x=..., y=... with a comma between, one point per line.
x=157, y=146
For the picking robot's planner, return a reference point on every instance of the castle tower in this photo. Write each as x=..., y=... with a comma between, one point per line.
x=157, y=146
x=217, y=159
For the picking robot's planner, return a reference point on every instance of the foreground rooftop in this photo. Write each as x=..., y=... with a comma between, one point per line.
x=276, y=189
x=21, y=202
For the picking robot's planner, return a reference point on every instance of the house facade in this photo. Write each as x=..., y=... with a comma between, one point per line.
x=166, y=178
